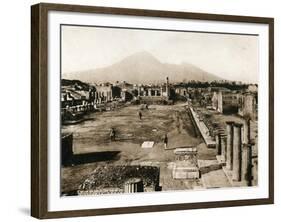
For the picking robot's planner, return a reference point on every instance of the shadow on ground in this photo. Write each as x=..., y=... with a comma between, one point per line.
x=95, y=157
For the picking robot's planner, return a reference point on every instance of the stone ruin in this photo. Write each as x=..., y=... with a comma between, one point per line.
x=186, y=166
x=234, y=152
x=110, y=179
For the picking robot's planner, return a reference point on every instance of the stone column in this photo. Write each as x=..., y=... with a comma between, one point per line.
x=229, y=145
x=220, y=102
x=254, y=172
x=96, y=97
x=106, y=96
x=167, y=88
x=237, y=152
x=133, y=186
x=246, y=131
x=149, y=92
x=246, y=169
x=223, y=147
x=144, y=93
x=218, y=143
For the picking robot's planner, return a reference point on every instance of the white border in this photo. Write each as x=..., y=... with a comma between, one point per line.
x=57, y=203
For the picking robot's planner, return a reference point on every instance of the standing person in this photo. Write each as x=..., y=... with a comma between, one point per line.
x=165, y=140
x=112, y=134
x=140, y=115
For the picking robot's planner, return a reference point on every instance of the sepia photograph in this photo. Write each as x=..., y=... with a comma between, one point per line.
x=146, y=110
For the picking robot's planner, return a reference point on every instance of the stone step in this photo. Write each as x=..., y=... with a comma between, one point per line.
x=206, y=166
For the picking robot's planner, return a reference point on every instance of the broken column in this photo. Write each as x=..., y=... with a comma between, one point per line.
x=237, y=151
x=133, y=186
x=229, y=145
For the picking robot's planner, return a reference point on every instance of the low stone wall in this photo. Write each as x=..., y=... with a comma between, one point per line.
x=203, y=129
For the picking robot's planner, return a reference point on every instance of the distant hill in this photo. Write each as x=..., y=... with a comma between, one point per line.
x=143, y=67
x=79, y=84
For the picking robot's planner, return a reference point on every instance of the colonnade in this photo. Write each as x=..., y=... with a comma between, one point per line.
x=235, y=150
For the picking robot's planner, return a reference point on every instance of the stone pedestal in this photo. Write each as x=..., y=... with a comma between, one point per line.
x=185, y=172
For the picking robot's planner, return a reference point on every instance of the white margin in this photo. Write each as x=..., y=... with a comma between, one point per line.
x=57, y=203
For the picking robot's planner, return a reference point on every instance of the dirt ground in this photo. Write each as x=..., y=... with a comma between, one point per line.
x=91, y=137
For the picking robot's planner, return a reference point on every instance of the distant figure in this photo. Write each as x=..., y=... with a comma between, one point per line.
x=165, y=140
x=146, y=106
x=140, y=115
x=112, y=134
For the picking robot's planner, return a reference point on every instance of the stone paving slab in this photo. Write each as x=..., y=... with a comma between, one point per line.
x=215, y=179
x=206, y=166
x=228, y=174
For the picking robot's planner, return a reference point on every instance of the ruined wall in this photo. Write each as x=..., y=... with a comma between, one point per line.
x=114, y=178
x=66, y=149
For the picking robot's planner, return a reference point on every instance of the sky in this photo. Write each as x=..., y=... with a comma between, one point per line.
x=232, y=57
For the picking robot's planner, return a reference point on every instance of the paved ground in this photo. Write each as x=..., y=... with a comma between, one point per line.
x=93, y=135
x=91, y=139
x=215, y=179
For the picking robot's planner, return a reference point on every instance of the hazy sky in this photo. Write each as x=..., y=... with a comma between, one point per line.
x=233, y=57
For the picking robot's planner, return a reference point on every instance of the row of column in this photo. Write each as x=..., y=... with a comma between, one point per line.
x=103, y=96
x=148, y=92
x=80, y=108
x=235, y=150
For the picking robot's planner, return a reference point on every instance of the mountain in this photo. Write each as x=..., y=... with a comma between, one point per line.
x=143, y=67
x=77, y=83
